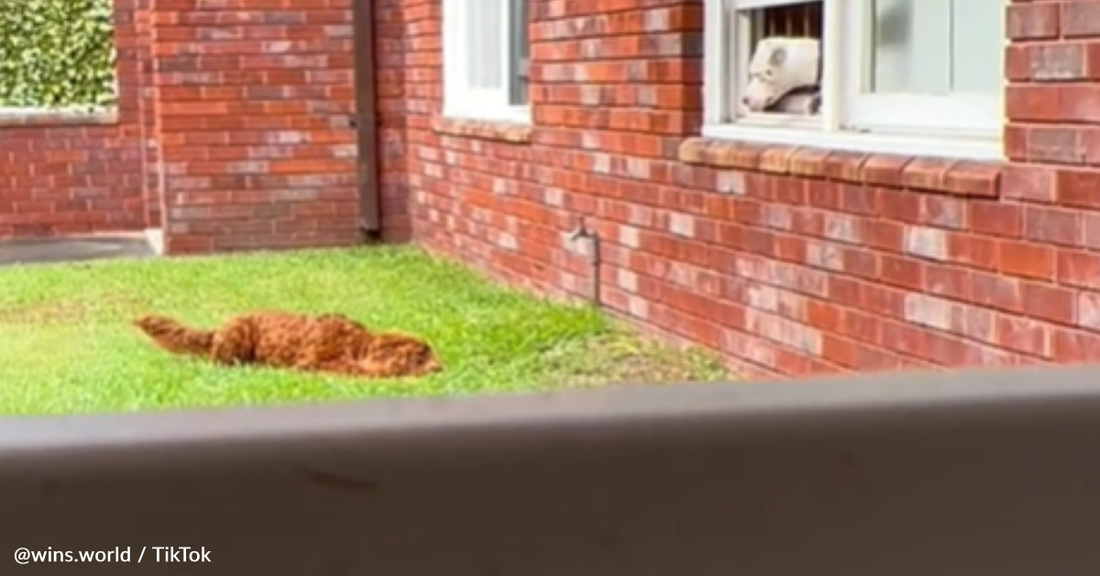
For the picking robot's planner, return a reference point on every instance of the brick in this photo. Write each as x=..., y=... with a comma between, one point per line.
x=881, y=234
x=739, y=156
x=928, y=311
x=791, y=334
x=1047, y=225
x=926, y=173
x=1088, y=311
x=881, y=300
x=901, y=272
x=996, y=291
x=1024, y=335
x=973, y=322
x=1090, y=145
x=926, y=242
x=776, y=159
x=778, y=216
x=824, y=255
x=905, y=339
x=861, y=263
x=1079, y=102
x=1014, y=139
x=844, y=166
x=1058, y=62
x=1049, y=302
x=1032, y=21
x=1030, y=183
x=948, y=281
x=885, y=170
x=901, y=205
x=1078, y=188
x=1017, y=64
x=1080, y=18
x=842, y=228
x=808, y=162
x=681, y=225
x=1090, y=231
x=1056, y=145
x=943, y=211
x=1026, y=260
x=995, y=218
x=967, y=178
x=1071, y=345
x=1081, y=269
x=1036, y=103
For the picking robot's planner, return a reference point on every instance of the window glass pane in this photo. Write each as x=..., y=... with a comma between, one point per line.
x=912, y=46
x=937, y=47
x=484, y=20
x=520, y=46
x=978, y=41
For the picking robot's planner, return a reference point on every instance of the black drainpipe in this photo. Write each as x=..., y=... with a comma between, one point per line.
x=365, y=120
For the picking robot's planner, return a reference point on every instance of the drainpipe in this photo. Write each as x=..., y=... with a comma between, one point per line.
x=365, y=121
x=582, y=232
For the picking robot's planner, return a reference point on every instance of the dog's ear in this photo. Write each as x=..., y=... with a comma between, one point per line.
x=778, y=56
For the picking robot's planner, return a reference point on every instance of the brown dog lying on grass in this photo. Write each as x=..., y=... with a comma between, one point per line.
x=330, y=343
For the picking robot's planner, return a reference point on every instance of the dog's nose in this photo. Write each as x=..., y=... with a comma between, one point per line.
x=433, y=365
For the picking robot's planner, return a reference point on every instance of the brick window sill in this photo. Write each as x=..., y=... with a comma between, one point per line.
x=483, y=129
x=956, y=177
x=12, y=117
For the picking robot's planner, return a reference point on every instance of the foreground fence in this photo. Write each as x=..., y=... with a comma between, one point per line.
x=991, y=473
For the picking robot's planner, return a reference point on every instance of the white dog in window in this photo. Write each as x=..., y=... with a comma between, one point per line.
x=784, y=76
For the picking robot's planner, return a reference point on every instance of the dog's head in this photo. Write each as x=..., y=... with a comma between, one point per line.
x=779, y=65
x=403, y=355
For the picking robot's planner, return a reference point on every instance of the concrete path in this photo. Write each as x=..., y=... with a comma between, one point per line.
x=73, y=249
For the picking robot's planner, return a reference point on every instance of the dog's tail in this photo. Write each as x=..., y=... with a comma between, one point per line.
x=175, y=337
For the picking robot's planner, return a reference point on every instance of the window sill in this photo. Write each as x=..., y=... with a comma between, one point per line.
x=934, y=146
x=500, y=130
x=959, y=177
x=46, y=117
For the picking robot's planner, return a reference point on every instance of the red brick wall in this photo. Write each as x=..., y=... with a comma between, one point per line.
x=233, y=133
x=153, y=194
x=787, y=261
x=253, y=104
x=61, y=178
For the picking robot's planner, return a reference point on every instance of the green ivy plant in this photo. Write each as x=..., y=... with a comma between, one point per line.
x=57, y=54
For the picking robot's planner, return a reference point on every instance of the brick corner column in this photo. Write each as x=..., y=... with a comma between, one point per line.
x=1049, y=185
x=252, y=106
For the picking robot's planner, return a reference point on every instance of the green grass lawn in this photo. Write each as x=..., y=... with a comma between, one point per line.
x=67, y=346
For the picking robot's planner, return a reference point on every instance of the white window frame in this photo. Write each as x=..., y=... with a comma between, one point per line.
x=966, y=126
x=461, y=100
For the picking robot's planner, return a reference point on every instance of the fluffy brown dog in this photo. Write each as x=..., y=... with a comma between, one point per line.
x=326, y=343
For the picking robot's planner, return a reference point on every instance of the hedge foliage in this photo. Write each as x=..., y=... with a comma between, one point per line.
x=57, y=53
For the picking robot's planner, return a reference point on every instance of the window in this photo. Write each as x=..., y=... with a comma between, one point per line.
x=486, y=55
x=906, y=76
